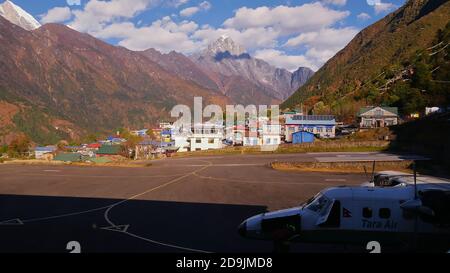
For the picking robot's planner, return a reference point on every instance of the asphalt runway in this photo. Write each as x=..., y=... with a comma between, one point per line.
x=176, y=205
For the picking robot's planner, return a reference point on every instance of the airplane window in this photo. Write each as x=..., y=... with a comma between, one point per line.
x=385, y=213
x=319, y=203
x=367, y=212
x=334, y=218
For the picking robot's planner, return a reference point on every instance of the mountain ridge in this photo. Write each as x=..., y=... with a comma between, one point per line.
x=375, y=57
x=60, y=75
x=231, y=61
x=18, y=16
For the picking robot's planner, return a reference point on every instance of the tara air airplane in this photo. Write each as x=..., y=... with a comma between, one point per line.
x=400, y=211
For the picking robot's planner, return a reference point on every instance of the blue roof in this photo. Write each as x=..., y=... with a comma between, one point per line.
x=45, y=149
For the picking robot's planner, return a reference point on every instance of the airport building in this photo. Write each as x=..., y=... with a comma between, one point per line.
x=323, y=126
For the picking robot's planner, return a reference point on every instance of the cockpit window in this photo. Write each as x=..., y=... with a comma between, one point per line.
x=319, y=204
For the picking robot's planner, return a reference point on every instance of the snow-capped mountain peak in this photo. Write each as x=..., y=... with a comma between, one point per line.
x=18, y=16
x=226, y=44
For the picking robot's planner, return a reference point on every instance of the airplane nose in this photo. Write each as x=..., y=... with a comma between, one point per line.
x=242, y=229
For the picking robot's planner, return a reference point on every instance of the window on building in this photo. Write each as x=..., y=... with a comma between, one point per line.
x=198, y=140
x=329, y=130
x=389, y=122
x=385, y=213
x=367, y=213
x=268, y=141
x=379, y=113
x=211, y=141
x=368, y=123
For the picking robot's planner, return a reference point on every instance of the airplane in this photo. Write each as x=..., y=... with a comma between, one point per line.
x=396, y=211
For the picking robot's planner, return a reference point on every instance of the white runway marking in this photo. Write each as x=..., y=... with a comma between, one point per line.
x=123, y=228
x=106, y=215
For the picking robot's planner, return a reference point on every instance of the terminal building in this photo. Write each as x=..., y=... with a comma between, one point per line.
x=322, y=126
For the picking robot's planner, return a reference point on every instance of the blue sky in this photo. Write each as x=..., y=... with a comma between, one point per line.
x=286, y=33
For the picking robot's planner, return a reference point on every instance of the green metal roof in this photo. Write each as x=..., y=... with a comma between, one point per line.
x=68, y=157
x=363, y=110
x=109, y=150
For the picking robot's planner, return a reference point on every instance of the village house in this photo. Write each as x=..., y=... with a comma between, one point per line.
x=69, y=157
x=323, y=126
x=109, y=150
x=93, y=147
x=251, y=137
x=236, y=134
x=270, y=134
x=166, y=135
x=206, y=137
x=378, y=117
x=140, y=133
x=302, y=137
x=44, y=152
x=151, y=149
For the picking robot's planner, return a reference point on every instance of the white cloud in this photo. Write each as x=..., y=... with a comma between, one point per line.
x=309, y=28
x=335, y=2
x=73, y=2
x=251, y=38
x=324, y=44
x=381, y=7
x=163, y=35
x=287, y=20
x=325, y=39
x=191, y=11
x=178, y=3
x=57, y=15
x=97, y=14
x=281, y=59
x=363, y=16
x=205, y=5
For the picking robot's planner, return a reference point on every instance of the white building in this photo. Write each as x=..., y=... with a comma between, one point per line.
x=378, y=117
x=271, y=134
x=206, y=137
x=319, y=125
x=200, y=138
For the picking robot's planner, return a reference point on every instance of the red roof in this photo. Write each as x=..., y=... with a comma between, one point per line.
x=94, y=146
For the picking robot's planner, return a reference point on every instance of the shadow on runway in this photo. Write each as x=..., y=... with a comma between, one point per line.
x=206, y=227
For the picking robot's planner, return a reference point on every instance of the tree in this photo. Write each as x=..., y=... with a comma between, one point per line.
x=422, y=76
x=91, y=138
x=19, y=147
x=151, y=133
x=62, y=144
x=130, y=145
x=320, y=108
